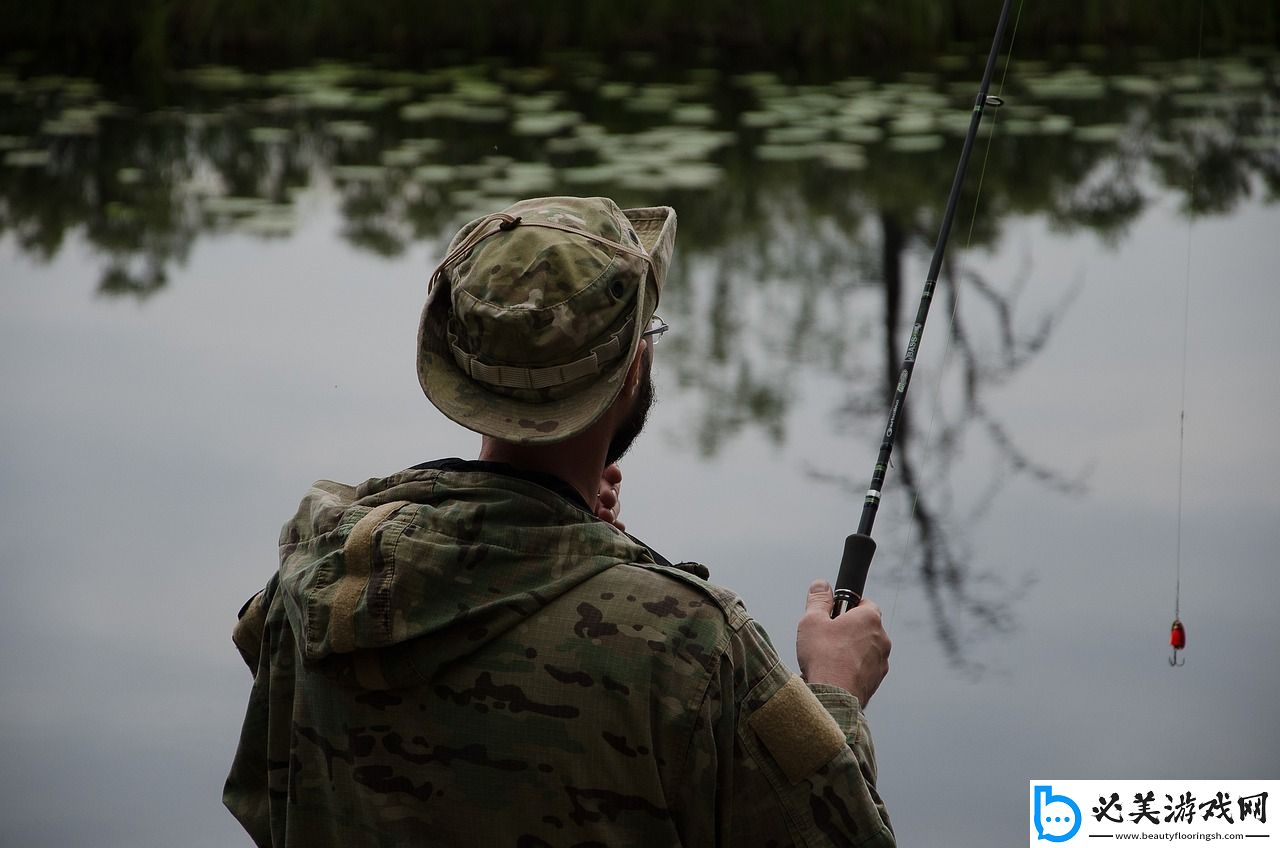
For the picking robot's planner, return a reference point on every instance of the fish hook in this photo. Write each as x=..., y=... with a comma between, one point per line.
x=1177, y=640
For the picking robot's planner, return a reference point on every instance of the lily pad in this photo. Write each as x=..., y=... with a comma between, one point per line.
x=401, y=157
x=916, y=143
x=690, y=175
x=550, y=123
x=760, y=119
x=480, y=91
x=650, y=105
x=27, y=158
x=540, y=103
x=569, y=145
x=220, y=78
x=1056, y=124
x=349, y=130
x=523, y=179
x=269, y=135
x=793, y=135
x=419, y=111
x=1239, y=75
x=1100, y=133
x=860, y=133
x=913, y=122
x=787, y=152
x=63, y=126
x=474, y=114
x=1201, y=124
x=694, y=113
x=1186, y=82
x=757, y=79
x=1197, y=100
x=1136, y=85
x=843, y=157
x=592, y=175
x=358, y=173
x=616, y=90
x=435, y=173
x=1071, y=84
x=528, y=78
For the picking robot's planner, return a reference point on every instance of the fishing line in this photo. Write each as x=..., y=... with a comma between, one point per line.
x=911, y=530
x=1177, y=635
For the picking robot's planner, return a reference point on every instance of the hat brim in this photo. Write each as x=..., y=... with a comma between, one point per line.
x=510, y=419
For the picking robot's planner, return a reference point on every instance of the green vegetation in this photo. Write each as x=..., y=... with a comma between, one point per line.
x=412, y=153
x=149, y=36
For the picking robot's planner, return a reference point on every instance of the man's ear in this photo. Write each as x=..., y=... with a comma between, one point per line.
x=631, y=384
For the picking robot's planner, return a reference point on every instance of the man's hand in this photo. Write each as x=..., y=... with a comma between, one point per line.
x=851, y=651
x=608, y=503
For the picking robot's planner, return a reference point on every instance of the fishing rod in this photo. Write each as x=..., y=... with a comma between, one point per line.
x=859, y=547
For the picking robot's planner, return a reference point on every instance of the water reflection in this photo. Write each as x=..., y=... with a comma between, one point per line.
x=411, y=153
x=959, y=600
x=801, y=204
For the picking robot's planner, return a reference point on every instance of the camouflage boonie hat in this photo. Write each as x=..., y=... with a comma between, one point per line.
x=535, y=313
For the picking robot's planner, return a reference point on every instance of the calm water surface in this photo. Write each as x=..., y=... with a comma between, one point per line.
x=212, y=303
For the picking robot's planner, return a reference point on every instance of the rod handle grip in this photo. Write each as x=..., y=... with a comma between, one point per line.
x=854, y=565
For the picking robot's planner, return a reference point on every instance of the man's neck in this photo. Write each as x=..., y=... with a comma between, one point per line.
x=578, y=461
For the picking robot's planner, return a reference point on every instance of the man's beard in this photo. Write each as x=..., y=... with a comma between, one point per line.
x=635, y=420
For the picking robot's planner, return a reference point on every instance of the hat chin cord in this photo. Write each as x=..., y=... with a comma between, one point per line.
x=506, y=223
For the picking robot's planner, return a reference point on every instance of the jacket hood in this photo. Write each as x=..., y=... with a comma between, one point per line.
x=386, y=582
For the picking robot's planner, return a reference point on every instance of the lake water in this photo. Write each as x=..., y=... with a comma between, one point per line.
x=211, y=300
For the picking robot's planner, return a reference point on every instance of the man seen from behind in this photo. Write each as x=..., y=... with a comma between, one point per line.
x=476, y=653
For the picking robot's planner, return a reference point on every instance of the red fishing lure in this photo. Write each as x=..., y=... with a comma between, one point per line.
x=1177, y=640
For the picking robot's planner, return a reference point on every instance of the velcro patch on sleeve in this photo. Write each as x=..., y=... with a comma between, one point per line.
x=797, y=730
x=247, y=633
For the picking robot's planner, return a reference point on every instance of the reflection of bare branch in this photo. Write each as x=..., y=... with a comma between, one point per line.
x=1023, y=464
x=945, y=576
x=1014, y=352
x=954, y=593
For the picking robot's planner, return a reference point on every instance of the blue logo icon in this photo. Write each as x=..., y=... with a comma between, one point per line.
x=1057, y=817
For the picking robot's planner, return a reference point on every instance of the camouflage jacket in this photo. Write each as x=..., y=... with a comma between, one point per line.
x=462, y=657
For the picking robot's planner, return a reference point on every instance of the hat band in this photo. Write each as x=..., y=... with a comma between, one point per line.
x=516, y=377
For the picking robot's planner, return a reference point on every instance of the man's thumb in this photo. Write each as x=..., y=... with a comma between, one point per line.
x=820, y=598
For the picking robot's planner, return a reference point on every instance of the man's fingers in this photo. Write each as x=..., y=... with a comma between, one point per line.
x=607, y=499
x=869, y=607
x=613, y=475
x=820, y=598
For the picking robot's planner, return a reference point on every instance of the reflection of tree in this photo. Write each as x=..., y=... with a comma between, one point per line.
x=143, y=187
x=957, y=596
x=803, y=264
x=1217, y=158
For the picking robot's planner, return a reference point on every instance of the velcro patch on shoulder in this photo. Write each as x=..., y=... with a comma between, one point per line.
x=349, y=588
x=798, y=731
